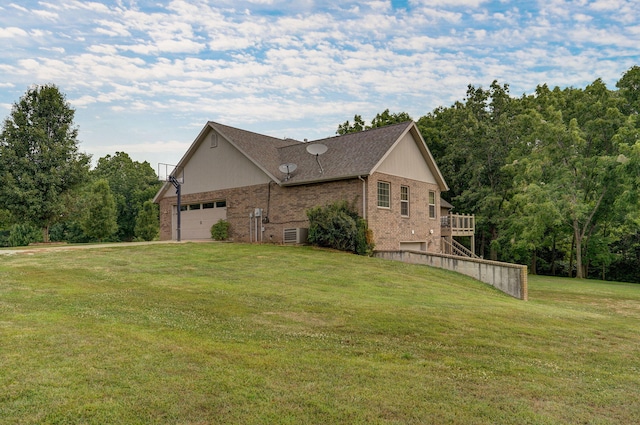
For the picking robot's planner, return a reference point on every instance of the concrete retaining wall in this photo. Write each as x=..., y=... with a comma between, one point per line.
x=509, y=278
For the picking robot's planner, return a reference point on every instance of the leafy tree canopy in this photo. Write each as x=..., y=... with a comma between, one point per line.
x=132, y=184
x=147, y=222
x=380, y=120
x=552, y=177
x=99, y=221
x=39, y=158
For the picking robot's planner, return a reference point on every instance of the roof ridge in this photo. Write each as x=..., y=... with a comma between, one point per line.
x=369, y=130
x=274, y=139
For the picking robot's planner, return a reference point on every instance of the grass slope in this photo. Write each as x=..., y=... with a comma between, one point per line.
x=230, y=333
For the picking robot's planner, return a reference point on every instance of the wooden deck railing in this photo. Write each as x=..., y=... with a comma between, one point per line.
x=458, y=224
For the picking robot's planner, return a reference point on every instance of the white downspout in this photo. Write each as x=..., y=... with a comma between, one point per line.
x=364, y=197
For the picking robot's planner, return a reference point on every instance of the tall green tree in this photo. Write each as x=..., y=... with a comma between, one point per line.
x=39, y=158
x=580, y=176
x=147, y=223
x=388, y=118
x=100, y=213
x=132, y=184
x=471, y=142
x=347, y=127
x=380, y=120
x=629, y=87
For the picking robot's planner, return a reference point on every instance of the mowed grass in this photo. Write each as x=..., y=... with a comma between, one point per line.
x=232, y=333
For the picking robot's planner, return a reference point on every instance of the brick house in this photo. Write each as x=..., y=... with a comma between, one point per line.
x=263, y=186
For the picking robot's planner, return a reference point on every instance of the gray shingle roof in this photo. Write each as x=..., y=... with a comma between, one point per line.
x=347, y=156
x=350, y=155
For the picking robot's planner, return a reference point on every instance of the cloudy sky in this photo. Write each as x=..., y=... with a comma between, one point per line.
x=146, y=75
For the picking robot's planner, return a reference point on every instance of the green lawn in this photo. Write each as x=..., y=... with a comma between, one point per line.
x=231, y=333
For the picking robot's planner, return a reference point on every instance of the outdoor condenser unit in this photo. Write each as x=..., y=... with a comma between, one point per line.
x=296, y=235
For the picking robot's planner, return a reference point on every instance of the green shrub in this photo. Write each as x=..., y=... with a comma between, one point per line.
x=68, y=231
x=4, y=237
x=338, y=226
x=23, y=235
x=147, y=222
x=220, y=230
x=100, y=218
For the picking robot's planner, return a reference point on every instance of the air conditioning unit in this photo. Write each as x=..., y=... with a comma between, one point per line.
x=297, y=235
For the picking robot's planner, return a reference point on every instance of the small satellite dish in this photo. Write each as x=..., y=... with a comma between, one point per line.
x=287, y=168
x=317, y=148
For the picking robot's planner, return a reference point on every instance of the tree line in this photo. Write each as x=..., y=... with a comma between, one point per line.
x=48, y=190
x=552, y=176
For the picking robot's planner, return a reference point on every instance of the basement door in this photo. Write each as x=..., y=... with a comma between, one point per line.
x=196, y=219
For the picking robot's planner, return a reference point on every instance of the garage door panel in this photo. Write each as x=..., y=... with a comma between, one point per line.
x=196, y=223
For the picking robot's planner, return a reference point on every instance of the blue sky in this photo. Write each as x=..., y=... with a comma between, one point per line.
x=145, y=76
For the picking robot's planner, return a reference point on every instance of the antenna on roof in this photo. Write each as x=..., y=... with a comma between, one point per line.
x=287, y=168
x=317, y=149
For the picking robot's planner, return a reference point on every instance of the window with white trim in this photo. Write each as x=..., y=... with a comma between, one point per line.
x=404, y=201
x=432, y=205
x=384, y=195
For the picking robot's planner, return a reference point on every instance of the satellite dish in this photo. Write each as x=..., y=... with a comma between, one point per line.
x=287, y=168
x=317, y=148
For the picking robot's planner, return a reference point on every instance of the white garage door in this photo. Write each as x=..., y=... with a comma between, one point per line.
x=196, y=219
x=413, y=246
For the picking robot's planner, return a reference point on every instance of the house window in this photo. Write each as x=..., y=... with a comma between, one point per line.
x=183, y=207
x=404, y=201
x=214, y=140
x=384, y=195
x=432, y=205
x=216, y=204
x=194, y=207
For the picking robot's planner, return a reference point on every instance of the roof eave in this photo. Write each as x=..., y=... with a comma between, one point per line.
x=322, y=180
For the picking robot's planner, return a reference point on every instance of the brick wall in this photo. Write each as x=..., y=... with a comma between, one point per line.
x=286, y=207
x=390, y=228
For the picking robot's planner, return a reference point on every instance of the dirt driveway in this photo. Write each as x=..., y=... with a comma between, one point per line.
x=63, y=247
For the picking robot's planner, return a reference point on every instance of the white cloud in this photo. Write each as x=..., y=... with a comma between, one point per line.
x=111, y=28
x=12, y=32
x=18, y=7
x=449, y=3
x=59, y=50
x=91, y=6
x=581, y=17
x=105, y=49
x=45, y=14
x=39, y=33
x=379, y=5
x=605, y=5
